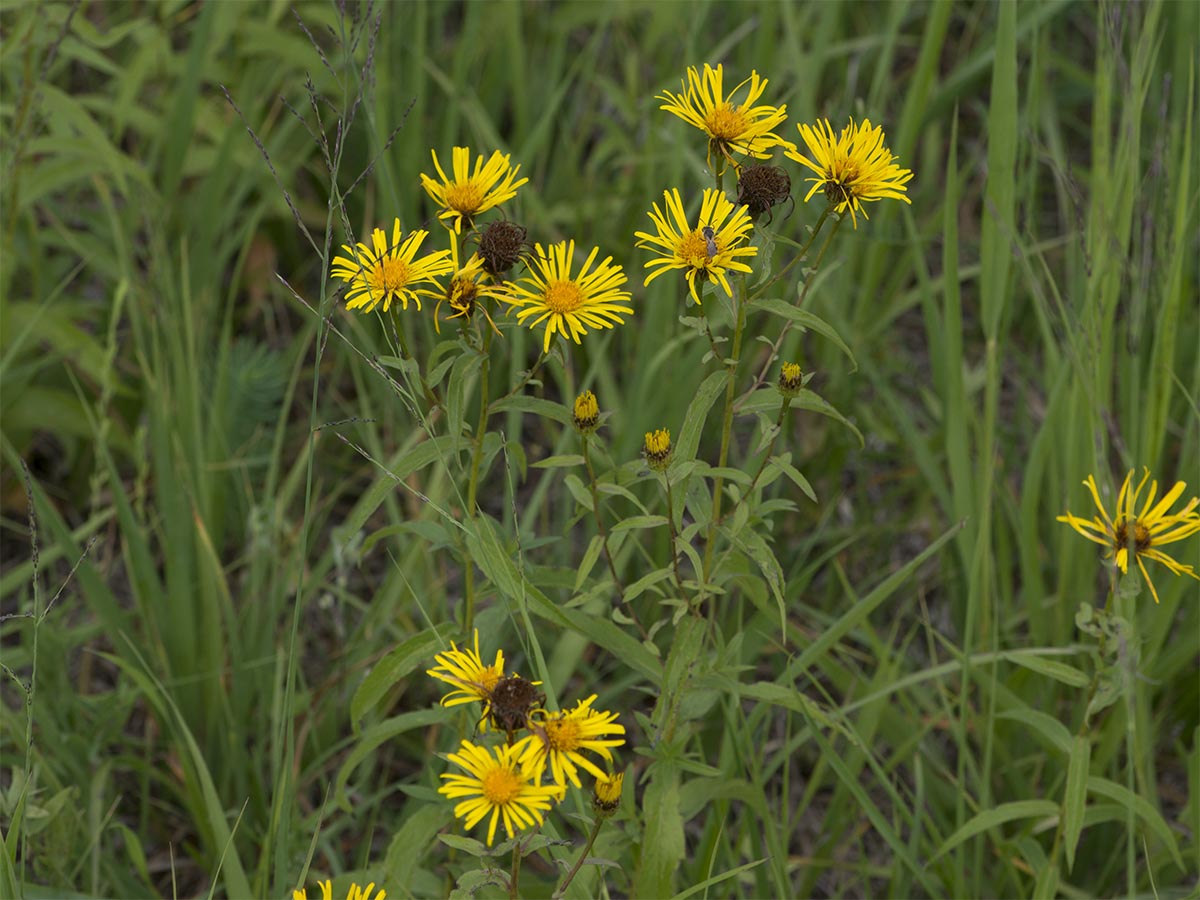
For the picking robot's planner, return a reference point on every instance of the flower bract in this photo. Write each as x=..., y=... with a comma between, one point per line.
x=569, y=304
x=853, y=167
x=389, y=271
x=1143, y=530
x=499, y=786
x=713, y=247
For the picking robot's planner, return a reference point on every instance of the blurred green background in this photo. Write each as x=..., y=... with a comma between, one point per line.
x=1031, y=318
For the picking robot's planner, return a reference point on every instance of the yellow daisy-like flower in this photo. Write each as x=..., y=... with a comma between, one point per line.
x=469, y=193
x=466, y=289
x=705, y=252
x=852, y=168
x=743, y=128
x=389, y=270
x=559, y=740
x=586, y=414
x=569, y=304
x=465, y=670
x=1147, y=529
x=355, y=892
x=499, y=785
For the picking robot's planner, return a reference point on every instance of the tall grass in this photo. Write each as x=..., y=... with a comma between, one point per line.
x=257, y=538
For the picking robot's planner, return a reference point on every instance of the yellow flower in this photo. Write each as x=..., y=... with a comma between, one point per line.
x=1147, y=530
x=742, y=128
x=465, y=291
x=852, y=168
x=465, y=670
x=355, y=893
x=705, y=252
x=606, y=795
x=498, y=784
x=559, y=739
x=469, y=193
x=657, y=448
x=389, y=270
x=586, y=413
x=569, y=304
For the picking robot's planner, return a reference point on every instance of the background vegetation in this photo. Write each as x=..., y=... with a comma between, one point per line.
x=180, y=713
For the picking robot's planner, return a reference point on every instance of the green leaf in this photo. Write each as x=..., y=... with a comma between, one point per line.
x=805, y=319
x=1075, y=797
x=991, y=818
x=1059, y=671
x=559, y=462
x=579, y=491
x=697, y=414
x=475, y=848
x=636, y=522
x=544, y=408
x=410, y=841
x=416, y=651
x=784, y=465
x=1054, y=731
x=767, y=400
x=717, y=879
x=375, y=736
x=662, y=843
x=753, y=545
x=1144, y=809
x=595, y=547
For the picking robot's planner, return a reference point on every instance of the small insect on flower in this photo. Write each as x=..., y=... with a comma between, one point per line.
x=710, y=242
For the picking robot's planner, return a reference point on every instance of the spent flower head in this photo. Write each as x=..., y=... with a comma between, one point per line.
x=389, y=270
x=501, y=245
x=499, y=786
x=705, y=252
x=1142, y=530
x=586, y=414
x=743, y=127
x=852, y=168
x=471, y=191
x=569, y=303
x=761, y=187
x=560, y=739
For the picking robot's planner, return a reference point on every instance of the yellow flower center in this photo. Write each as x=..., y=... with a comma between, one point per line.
x=501, y=785
x=391, y=274
x=465, y=197
x=726, y=122
x=562, y=734
x=1141, y=536
x=488, y=678
x=693, y=249
x=564, y=296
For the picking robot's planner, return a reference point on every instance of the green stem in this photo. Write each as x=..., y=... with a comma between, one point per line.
x=513, y=891
x=726, y=420
x=603, y=531
x=473, y=483
x=587, y=848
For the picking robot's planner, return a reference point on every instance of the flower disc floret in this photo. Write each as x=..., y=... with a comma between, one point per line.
x=470, y=192
x=708, y=251
x=389, y=271
x=569, y=304
x=852, y=168
x=1146, y=529
x=496, y=785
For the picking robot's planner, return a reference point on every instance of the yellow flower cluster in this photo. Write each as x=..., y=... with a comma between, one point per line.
x=505, y=783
